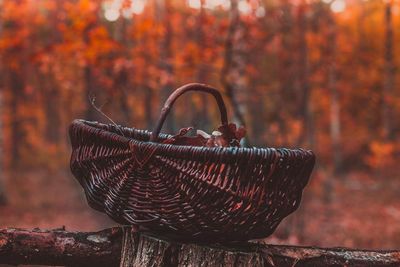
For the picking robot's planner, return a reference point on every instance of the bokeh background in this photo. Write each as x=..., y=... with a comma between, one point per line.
x=322, y=75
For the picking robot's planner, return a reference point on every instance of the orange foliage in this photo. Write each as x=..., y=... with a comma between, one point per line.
x=50, y=49
x=382, y=155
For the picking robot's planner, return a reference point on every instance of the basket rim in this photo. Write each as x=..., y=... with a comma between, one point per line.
x=226, y=151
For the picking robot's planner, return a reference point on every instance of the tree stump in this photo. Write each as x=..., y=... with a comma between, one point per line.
x=141, y=250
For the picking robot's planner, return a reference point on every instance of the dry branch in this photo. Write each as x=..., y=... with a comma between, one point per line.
x=59, y=247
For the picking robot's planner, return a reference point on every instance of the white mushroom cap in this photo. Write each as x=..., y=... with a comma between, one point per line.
x=203, y=134
x=216, y=133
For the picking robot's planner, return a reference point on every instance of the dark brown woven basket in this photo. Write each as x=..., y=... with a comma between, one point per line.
x=187, y=193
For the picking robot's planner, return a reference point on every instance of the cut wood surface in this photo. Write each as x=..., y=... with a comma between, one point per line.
x=103, y=248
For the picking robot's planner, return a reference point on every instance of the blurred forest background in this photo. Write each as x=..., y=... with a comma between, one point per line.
x=322, y=75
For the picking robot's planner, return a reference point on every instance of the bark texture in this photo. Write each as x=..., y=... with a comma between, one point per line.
x=59, y=247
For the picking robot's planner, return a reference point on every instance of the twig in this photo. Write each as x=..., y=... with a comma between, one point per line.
x=92, y=100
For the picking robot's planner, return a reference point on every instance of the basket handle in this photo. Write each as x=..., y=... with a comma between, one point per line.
x=180, y=91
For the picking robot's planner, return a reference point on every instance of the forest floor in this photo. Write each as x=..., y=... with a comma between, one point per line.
x=48, y=200
x=364, y=212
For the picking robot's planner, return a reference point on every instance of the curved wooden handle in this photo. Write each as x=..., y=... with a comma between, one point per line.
x=180, y=91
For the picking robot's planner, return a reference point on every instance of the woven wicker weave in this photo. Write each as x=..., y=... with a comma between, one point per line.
x=187, y=193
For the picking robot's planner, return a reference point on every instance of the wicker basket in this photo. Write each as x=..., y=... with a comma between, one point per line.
x=187, y=193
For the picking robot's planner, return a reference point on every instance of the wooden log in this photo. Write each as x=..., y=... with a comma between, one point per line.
x=59, y=247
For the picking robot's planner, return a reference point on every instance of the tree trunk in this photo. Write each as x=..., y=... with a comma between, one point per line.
x=53, y=116
x=3, y=199
x=51, y=93
x=90, y=113
x=257, y=118
x=16, y=87
x=200, y=117
x=163, y=13
x=147, y=85
x=89, y=78
x=335, y=125
x=148, y=107
x=14, y=82
x=233, y=67
x=122, y=84
x=121, y=81
x=306, y=138
x=286, y=71
x=389, y=75
x=304, y=88
x=122, y=247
